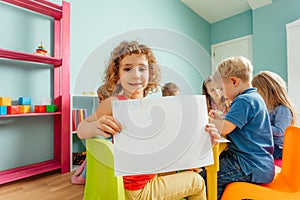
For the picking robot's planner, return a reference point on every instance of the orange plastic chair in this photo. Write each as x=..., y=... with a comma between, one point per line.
x=286, y=184
x=101, y=183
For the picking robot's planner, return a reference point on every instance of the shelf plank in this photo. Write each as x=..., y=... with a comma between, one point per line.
x=28, y=170
x=29, y=114
x=15, y=55
x=39, y=6
x=85, y=95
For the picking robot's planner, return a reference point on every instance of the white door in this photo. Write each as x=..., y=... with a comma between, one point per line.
x=236, y=47
x=293, y=61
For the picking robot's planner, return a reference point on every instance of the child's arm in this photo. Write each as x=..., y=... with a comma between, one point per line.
x=223, y=126
x=213, y=132
x=216, y=114
x=99, y=123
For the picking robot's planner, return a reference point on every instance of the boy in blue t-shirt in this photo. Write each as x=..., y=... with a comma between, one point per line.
x=247, y=126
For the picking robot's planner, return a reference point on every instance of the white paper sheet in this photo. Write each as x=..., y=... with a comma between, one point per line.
x=161, y=134
x=222, y=140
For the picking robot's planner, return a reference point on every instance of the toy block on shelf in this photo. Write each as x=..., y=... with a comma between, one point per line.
x=40, y=108
x=24, y=100
x=24, y=108
x=5, y=101
x=3, y=110
x=13, y=109
x=51, y=108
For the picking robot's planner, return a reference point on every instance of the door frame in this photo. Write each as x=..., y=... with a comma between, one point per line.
x=246, y=39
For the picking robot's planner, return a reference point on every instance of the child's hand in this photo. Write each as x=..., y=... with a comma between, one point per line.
x=213, y=132
x=216, y=114
x=107, y=126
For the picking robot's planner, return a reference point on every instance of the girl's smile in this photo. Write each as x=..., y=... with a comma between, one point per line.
x=134, y=75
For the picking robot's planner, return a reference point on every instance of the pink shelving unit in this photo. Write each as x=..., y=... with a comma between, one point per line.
x=61, y=63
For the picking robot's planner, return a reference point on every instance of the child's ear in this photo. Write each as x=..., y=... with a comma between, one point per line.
x=235, y=81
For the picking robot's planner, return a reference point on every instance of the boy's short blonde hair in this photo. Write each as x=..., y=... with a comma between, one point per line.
x=239, y=67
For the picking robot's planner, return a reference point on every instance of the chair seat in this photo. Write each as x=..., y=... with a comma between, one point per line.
x=285, y=185
x=243, y=190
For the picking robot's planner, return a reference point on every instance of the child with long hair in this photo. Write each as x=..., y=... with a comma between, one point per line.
x=170, y=89
x=133, y=66
x=273, y=90
x=217, y=104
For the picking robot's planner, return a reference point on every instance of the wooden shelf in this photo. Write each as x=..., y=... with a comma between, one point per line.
x=15, y=55
x=29, y=114
x=28, y=170
x=85, y=95
x=60, y=15
x=39, y=6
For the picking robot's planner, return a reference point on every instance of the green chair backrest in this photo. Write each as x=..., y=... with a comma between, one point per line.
x=101, y=183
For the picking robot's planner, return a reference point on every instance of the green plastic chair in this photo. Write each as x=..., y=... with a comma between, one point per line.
x=101, y=183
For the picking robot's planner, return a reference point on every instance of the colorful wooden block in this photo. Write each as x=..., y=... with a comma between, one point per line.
x=3, y=110
x=13, y=109
x=24, y=100
x=51, y=108
x=24, y=108
x=40, y=108
x=5, y=101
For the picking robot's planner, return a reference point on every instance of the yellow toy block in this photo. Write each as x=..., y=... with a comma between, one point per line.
x=24, y=108
x=5, y=101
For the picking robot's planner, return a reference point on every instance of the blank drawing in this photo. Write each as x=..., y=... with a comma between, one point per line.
x=161, y=134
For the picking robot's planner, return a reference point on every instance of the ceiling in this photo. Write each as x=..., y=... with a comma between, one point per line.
x=216, y=10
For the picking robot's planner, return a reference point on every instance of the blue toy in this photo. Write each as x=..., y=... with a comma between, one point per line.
x=3, y=110
x=24, y=100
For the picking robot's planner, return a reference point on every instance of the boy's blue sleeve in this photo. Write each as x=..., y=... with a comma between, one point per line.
x=239, y=113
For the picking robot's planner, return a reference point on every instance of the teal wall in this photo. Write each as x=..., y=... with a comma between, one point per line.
x=267, y=25
x=25, y=140
x=98, y=22
x=269, y=35
x=234, y=27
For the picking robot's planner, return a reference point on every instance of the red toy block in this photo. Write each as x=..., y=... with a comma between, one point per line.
x=13, y=109
x=40, y=108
